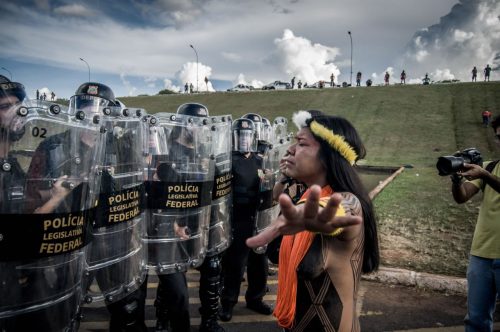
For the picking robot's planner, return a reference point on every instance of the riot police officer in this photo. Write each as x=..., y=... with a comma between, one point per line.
x=11, y=96
x=178, y=207
x=247, y=173
x=40, y=268
x=115, y=258
x=219, y=232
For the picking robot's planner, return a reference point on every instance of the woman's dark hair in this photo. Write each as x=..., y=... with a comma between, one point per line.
x=343, y=177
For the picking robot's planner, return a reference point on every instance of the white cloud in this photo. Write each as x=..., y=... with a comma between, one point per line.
x=468, y=36
x=195, y=74
x=242, y=80
x=170, y=86
x=442, y=74
x=130, y=88
x=231, y=56
x=150, y=81
x=74, y=10
x=415, y=81
x=299, y=57
x=421, y=55
x=461, y=36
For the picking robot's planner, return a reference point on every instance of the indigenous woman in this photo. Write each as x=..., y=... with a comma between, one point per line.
x=330, y=235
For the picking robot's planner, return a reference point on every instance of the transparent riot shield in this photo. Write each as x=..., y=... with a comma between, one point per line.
x=268, y=209
x=219, y=237
x=47, y=183
x=179, y=186
x=116, y=258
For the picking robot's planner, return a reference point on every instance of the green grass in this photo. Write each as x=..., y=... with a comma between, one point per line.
x=420, y=225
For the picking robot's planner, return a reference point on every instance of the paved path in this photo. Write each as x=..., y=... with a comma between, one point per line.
x=382, y=308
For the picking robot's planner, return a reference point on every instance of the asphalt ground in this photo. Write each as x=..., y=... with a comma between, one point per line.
x=381, y=307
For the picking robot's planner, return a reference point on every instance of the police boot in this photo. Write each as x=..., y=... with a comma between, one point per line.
x=210, y=326
x=209, y=294
x=125, y=317
x=162, y=319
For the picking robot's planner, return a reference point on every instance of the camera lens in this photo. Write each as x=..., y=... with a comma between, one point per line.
x=449, y=164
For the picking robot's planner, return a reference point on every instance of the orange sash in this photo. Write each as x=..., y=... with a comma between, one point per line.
x=292, y=250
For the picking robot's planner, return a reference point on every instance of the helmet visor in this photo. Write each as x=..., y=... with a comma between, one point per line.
x=88, y=104
x=244, y=141
x=11, y=93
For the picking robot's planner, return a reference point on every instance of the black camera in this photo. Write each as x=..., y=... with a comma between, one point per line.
x=448, y=165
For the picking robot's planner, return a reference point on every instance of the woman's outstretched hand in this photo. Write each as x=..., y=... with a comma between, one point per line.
x=308, y=216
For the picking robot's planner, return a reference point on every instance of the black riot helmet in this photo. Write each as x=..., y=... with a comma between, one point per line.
x=12, y=94
x=9, y=88
x=267, y=131
x=257, y=120
x=193, y=109
x=244, y=136
x=188, y=110
x=92, y=97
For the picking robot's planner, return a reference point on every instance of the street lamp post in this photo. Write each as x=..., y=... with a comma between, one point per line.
x=87, y=67
x=350, y=36
x=8, y=72
x=194, y=49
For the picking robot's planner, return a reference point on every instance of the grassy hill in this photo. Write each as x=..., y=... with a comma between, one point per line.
x=420, y=225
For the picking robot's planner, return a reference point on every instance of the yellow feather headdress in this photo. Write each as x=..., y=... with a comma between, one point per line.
x=337, y=142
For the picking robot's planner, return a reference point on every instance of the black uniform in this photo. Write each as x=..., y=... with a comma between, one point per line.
x=52, y=159
x=246, y=182
x=210, y=282
x=32, y=282
x=172, y=297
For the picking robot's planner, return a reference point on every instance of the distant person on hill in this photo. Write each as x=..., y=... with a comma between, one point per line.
x=332, y=79
x=186, y=88
x=358, y=79
x=369, y=82
x=486, y=117
x=293, y=82
x=52, y=95
x=426, y=80
x=299, y=84
x=474, y=74
x=191, y=87
x=483, y=272
x=403, y=77
x=386, y=78
x=487, y=72
x=37, y=94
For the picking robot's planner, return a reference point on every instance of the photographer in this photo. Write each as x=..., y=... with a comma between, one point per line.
x=483, y=273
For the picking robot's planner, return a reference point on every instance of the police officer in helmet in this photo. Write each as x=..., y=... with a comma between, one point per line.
x=172, y=298
x=247, y=173
x=210, y=270
x=12, y=95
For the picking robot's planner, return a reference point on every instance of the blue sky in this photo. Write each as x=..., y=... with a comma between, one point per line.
x=140, y=46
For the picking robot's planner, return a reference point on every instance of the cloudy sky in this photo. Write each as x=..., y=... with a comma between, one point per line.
x=143, y=46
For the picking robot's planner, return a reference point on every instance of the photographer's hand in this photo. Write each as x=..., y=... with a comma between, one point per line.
x=476, y=172
x=473, y=172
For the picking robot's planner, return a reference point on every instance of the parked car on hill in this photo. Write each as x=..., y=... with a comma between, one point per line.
x=241, y=87
x=277, y=85
x=321, y=85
